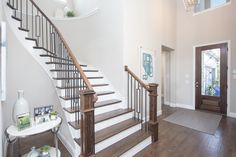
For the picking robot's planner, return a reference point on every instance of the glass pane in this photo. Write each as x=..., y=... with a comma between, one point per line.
x=211, y=72
x=206, y=4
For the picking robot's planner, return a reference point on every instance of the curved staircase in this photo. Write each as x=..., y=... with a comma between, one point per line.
x=108, y=127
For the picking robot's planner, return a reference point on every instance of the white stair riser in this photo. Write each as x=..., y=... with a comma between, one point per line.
x=104, y=109
x=71, y=116
x=138, y=148
x=108, y=142
x=113, y=121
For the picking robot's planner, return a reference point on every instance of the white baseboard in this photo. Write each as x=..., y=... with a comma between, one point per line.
x=68, y=146
x=185, y=106
x=231, y=114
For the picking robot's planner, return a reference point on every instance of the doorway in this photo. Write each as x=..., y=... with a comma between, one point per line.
x=166, y=75
x=211, y=78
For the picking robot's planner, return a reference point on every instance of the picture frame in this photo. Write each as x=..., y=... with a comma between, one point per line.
x=147, y=65
x=42, y=114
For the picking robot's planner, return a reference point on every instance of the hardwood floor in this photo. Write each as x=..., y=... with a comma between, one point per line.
x=174, y=140
x=178, y=141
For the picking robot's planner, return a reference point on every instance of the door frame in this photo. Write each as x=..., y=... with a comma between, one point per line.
x=229, y=71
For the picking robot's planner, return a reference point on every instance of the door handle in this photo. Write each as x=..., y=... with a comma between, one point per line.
x=196, y=84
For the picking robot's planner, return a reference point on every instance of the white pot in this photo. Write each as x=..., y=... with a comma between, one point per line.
x=20, y=107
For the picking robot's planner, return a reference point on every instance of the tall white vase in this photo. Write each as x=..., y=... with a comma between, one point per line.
x=20, y=107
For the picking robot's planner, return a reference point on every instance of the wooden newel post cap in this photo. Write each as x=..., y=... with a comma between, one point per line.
x=86, y=92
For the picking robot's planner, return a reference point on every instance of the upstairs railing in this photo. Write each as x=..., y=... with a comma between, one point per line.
x=142, y=99
x=74, y=82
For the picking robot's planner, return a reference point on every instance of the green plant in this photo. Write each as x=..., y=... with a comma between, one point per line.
x=54, y=113
x=45, y=149
x=70, y=13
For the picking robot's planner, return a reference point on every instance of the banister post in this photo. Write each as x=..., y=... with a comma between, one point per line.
x=87, y=137
x=153, y=124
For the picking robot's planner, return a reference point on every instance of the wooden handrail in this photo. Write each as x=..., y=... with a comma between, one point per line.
x=74, y=60
x=137, y=78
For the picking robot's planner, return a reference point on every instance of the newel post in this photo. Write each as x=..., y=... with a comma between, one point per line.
x=153, y=124
x=87, y=136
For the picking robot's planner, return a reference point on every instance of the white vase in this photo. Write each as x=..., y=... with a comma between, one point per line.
x=20, y=107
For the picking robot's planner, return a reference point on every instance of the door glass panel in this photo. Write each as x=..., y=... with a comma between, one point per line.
x=211, y=72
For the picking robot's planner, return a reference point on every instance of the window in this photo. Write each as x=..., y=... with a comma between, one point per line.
x=207, y=4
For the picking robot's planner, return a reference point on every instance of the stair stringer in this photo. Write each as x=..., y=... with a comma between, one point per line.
x=28, y=45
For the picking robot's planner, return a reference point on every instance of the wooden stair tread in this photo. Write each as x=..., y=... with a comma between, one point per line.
x=106, y=102
x=71, y=110
x=97, y=105
x=71, y=78
x=93, y=85
x=111, y=114
x=23, y=29
x=105, y=116
x=113, y=130
x=104, y=93
x=42, y=48
x=56, y=57
x=66, y=70
x=98, y=94
x=123, y=145
x=64, y=63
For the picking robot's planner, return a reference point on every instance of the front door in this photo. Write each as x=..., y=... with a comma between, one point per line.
x=211, y=78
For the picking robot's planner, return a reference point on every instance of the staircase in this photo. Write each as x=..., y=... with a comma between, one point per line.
x=97, y=119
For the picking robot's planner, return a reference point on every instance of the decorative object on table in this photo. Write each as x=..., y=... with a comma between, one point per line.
x=147, y=63
x=190, y=4
x=41, y=114
x=45, y=151
x=23, y=121
x=70, y=13
x=53, y=115
x=3, y=57
x=33, y=153
x=20, y=107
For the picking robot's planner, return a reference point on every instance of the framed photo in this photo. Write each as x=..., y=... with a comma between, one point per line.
x=41, y=114
x=147, y=65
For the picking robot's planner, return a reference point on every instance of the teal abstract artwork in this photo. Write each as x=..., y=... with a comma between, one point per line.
x=147, y=66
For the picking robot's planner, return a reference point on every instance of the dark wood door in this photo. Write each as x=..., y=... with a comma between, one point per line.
x=211, y=78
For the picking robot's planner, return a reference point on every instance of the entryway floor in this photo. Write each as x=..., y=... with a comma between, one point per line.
x=179, y=141
x=174, y=140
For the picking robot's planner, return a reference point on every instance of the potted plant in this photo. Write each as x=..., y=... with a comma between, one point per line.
x=45, y=151
x=53, y=115
x=70, y=13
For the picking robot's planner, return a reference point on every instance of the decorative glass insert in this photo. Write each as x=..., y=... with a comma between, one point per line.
x=211, y=72
x=207, y=4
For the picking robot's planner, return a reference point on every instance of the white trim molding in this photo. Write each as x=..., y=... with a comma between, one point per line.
x=185, y=106
x=65, y=142
x=159, y=113
x=231, y=114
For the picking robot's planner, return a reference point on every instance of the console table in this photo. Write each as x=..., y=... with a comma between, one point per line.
x=53, y=125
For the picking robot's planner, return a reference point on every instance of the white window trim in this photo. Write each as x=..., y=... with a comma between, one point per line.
x=212, y=9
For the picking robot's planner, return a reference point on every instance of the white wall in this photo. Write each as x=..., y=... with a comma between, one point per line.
x=82, y=7
x=146, y=24
x=49, y=6
x=209, y=27
x=97, y=40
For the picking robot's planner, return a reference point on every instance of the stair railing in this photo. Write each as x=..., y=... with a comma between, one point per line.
x=76, y=85
x=142, y=99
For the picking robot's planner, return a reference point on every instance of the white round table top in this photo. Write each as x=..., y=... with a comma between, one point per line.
x=34, y=129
